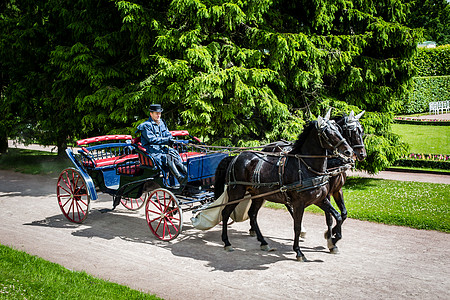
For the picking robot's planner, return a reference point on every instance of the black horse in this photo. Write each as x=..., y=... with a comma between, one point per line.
x=297, y=179
x=353, y=132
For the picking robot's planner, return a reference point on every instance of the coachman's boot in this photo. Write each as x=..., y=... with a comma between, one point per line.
x=173, y=168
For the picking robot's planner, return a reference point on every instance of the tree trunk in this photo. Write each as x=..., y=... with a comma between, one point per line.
x=3, y=142
x=62, y=146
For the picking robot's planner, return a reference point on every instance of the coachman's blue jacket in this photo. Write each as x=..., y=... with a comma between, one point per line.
x=154, y=137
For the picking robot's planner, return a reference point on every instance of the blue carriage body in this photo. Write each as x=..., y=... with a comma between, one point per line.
x=122, y=168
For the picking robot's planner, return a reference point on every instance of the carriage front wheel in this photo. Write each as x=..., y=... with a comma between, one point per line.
x=164, y=215
x=73, y=195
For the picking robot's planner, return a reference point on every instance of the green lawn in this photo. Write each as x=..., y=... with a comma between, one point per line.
x=425, y=138
x=23, y=276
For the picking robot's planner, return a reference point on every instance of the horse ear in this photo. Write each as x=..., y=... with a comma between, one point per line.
x=320, y=122
x=352, y=115
x=360, y=115
x=328, y=115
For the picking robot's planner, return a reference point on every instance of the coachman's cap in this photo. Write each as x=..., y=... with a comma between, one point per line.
x=156, y=108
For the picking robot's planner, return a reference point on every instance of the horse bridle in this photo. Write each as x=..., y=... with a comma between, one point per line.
x=348, y=127
x=323, y=138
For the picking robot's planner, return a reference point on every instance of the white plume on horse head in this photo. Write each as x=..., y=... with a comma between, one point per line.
x=321, y=122
x=357, y=117
x=328, y=115
x=351, y=116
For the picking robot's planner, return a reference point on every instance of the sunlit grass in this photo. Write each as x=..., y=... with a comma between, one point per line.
x=413, y=204
x=425, y=138
x=24, y=276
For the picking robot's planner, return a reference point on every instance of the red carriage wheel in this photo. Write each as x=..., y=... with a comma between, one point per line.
x=134, y=203
x=164, y=215
x=73, y=195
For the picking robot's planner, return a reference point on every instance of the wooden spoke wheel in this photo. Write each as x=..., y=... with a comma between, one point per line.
x=164, y=215
x=73, y=195
x=134, y=203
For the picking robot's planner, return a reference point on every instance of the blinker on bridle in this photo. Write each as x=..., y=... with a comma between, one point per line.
x=348, y=127
x=323, y=138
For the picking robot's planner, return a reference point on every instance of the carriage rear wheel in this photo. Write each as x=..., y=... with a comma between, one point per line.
x=134, y=203
x=73, y=195
x=164, y=215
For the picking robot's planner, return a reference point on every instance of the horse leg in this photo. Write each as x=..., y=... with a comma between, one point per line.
x=328, y=234
x=253, y=225
x=253, y=213
x=329, y=209
x=234, y=194
x=303, y=230
x=298, y=216
x=339, y=199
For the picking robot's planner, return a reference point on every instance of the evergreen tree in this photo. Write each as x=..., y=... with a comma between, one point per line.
x=250, y=72
x=234, y=72
x=433, y=16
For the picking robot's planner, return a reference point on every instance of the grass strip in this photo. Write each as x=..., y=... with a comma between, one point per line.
x=23, y=276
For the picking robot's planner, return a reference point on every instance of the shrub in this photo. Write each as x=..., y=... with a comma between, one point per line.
x=419, y=163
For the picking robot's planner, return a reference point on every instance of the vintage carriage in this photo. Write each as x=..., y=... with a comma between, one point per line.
x=118, y=165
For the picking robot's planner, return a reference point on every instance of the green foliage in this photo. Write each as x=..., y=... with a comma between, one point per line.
x=415, y=121
x=433, y=66
x=433, y=17
x=424, y=91
x=429, y=164
x=433, y=61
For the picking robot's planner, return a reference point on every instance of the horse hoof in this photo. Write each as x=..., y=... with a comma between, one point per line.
x=252, y=233
x=229, y=248
x=330, y=244
x=303, y=234
x=301, y=258
x=267, y=248
x=334, y=250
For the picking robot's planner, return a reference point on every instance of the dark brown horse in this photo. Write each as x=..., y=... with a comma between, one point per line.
x=297, y=179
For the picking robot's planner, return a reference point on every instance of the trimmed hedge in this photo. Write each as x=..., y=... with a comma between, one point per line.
x=426, y=90
x=433, y=81
x=433, y=61
x=418, y=163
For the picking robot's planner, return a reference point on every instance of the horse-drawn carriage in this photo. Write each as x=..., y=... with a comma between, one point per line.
x=118, y=165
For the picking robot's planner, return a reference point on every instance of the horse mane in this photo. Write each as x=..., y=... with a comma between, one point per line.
x=339, y=120
x=303, y=136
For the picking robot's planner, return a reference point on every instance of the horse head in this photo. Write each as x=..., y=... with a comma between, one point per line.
x=354, y=133
x=330, y=136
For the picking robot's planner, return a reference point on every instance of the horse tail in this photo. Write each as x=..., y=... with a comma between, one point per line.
x=221, y=175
